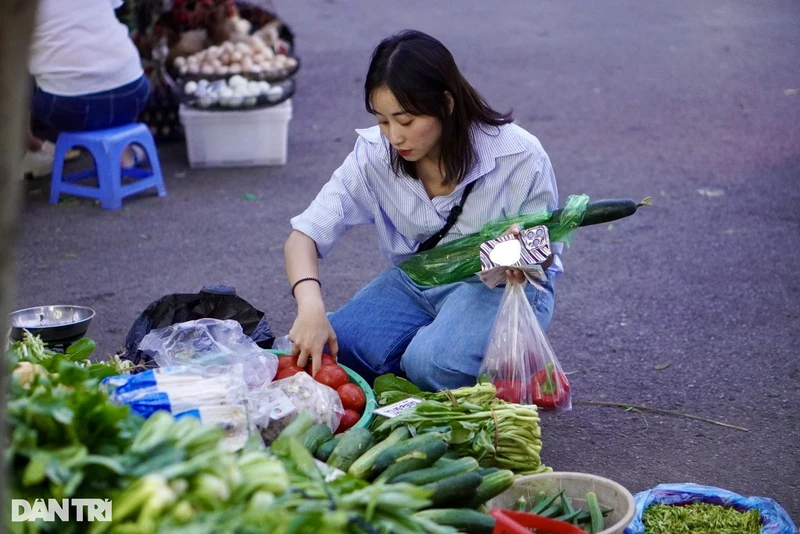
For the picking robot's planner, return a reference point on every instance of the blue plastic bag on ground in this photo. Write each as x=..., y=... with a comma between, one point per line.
x=774, y=519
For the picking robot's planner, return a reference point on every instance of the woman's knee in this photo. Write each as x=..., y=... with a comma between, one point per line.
x=433, y=369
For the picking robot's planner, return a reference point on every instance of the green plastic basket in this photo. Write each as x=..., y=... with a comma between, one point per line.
x=355, y=378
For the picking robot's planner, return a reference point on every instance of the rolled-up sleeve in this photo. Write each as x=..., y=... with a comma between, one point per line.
x=542, y=190
x=345, y=201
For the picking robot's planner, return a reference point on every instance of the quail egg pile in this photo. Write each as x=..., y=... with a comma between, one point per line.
x=253, y=58
x=236, y=92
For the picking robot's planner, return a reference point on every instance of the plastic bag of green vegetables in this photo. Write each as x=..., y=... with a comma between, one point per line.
x=666, y=505
x=453, y=261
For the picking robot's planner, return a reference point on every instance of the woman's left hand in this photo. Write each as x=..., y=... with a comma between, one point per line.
x=514, y=275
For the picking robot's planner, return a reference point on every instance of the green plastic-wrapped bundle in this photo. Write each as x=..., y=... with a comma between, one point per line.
x=458, y=259
x=453, y=261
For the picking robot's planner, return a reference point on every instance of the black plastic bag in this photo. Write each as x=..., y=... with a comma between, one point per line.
x=214, y=302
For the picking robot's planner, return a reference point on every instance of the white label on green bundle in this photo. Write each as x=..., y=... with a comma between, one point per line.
x=393, y=410
x=281, y=406
x=330, y=473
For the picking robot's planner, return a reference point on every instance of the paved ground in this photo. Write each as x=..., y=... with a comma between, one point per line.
x=694, y=103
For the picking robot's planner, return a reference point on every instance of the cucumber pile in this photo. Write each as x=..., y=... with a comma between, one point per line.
x=457, y=488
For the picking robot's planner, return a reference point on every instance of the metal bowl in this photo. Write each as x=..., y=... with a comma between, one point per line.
x=54, y=324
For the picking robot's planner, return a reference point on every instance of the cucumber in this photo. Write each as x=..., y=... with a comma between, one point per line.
x=324, y=451
x=493, y=485
x=316, y=436
x=604, y=211
x=483, y=471
x=438, y=472
x=454, y=491
x=595, y=512
x=352, y=445
x=387, y=457
x=451, y=455
x=424, y=456
x=468, y=521
x=362, y=468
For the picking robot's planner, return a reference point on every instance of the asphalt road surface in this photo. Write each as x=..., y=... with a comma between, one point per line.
x=692, y=305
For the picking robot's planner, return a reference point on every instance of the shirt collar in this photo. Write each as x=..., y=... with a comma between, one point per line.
x=490, y=143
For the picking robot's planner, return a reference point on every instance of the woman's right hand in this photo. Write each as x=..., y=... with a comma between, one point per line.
x=309, y=334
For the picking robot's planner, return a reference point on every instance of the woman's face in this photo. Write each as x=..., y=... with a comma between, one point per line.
x=412, y=136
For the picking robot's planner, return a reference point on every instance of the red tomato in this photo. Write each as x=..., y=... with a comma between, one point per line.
x=508, y=390
x=352, y=397
x=349, y=419
x=327, y=359
x=332, y=376
x=286, y=361
x=289, y=371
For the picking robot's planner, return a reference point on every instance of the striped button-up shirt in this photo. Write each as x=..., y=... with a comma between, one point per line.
x=512, y=172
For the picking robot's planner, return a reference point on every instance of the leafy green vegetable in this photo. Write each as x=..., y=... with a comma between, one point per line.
x=700, y=518
x=66, y=436
x=390, y=388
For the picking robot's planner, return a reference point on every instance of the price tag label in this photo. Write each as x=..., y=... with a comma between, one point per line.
x=281, y=405
x=393, y=410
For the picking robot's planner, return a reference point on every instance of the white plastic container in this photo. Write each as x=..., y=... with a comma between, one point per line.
x=243, y=138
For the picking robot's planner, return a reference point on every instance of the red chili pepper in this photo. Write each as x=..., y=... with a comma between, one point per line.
x=550, y=387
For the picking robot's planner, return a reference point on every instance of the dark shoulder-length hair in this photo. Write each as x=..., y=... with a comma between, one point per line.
x=419, y=70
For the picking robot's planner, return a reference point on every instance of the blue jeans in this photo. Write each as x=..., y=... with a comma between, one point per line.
x=95, y=111
x=434, y=336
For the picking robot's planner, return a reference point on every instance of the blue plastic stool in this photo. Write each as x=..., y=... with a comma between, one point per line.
x=106, y=147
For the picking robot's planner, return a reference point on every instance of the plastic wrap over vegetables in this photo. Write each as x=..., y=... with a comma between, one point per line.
x=774, y=519
x=211, y=342
x=453, y=261
x=217, y=395
x=458, y=259
x=290, y=396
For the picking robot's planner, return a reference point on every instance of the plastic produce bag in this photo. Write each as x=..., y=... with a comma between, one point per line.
x=453, y=261
x=290, y=396
x=774, y=519
x=211, y=342
x=214, y=302
x=231, y=418
x=216, y=395
x=519, y=360
x=178, y=389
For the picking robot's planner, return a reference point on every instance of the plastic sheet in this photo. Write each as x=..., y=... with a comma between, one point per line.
x=774, y=519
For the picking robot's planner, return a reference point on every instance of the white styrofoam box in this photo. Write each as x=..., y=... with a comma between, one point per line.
x=237, y=138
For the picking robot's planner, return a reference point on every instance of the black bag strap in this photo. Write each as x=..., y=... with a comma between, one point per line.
x=451, y=220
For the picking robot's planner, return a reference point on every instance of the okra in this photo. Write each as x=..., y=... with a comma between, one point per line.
x=546, y=503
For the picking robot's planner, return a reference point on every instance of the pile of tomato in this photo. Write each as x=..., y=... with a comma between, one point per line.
x=336, y=378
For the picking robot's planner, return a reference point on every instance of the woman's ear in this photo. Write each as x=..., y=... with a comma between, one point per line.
x=450, y=101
